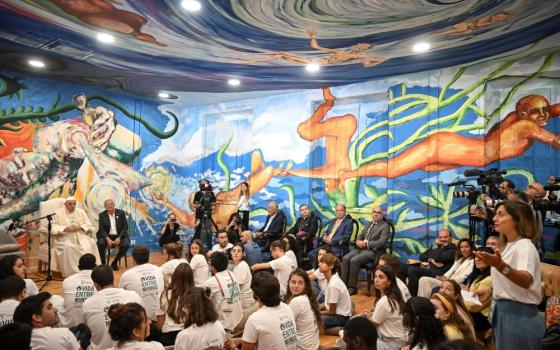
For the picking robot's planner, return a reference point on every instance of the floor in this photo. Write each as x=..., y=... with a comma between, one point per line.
x=361, y=301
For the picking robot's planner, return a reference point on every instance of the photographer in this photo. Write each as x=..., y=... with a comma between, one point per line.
x=204, y=201
x=233, y=228
x=169, y=231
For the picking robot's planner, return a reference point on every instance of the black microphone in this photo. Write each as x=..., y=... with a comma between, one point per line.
x=472, y=172
x=457, y=183
x=552, y=187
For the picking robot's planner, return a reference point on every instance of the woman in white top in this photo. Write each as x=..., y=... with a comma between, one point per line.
x=338, y=306
x=458, y=272
x=242, y=273
x=171, y=316
x=243, y=205
x=174, y=253
x=388, y=310
x=303, y=302
x=13, y=265
x=318, y=280
x=516, y=279
x=129, y=327
x=196, y=256
x=291, y=249
x=202, y=328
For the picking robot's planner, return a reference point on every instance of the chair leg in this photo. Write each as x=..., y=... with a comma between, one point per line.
x=369, y=282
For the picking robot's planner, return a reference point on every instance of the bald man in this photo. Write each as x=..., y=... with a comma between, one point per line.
x=370, y=245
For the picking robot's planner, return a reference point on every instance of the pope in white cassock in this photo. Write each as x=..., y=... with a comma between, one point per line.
x=72, y=229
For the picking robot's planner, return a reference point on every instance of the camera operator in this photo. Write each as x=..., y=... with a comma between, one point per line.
x=169, y=231
x=204, y=201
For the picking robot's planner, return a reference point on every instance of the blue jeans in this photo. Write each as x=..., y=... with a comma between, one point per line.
x=331, y=321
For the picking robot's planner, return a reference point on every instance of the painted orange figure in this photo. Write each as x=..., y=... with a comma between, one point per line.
x=337, y=131
x=470, y=26
x=446, y=150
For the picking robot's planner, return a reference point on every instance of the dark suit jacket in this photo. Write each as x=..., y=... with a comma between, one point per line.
x=105, y=224
x=441, y=254
x=378, y=237
x=341, y=235
x=308, y=226
x=276, y=227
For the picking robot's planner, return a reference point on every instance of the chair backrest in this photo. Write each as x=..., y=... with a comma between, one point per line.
x=319, y=225
x=49, y=207
x=355, y=230
x=392, y=228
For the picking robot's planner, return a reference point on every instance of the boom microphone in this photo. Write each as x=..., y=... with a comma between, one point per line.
x=472, y=172
x=457, y=183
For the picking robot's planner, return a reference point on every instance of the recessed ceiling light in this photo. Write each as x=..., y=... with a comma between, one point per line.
x=421, y=47
x=105, y=38
x=312, y=67
x=234, y=82
x=36, y=63
x=164, y=95
x=191, y=5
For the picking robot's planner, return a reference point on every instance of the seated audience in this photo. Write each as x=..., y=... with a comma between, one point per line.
x=303, y=302
x=458, y=272
x=199, y=264
x=242, y=273
x=202, y=330
x=171, y=316
x=454, y=326
x=282, y=265
x=145, y=279
x=291, y=250
x=129, y=327
x=226, y=293
x=273, y=227
x=440, y=256
x=425, y=330
x=12, y=292
x=273, y=326
x=13, y=265
x=174, y=252
x=169, y=231
x=38, y=312
x=516, y=279
x=71, y=229
x=370, y=245
x=395, y=264
x=452, y=289
x=360, y=334
x=233, y=228
x=305, y=229
x=16, y=336
x=76, y=289
x=223, y=244
x=338, y=233
x=318, y=280
x=388, y=310
x=338, y=306
x=253, y=252
x=112, y=232
x=95, y=307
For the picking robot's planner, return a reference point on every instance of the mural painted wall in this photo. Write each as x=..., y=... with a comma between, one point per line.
x=393, y=142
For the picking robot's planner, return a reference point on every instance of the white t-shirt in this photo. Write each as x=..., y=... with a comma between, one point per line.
x=242, y=273
x=30, y=288
x=217, y=248
x=48, y=338
x=210, y=335
x=95, y=313
x=306, y=324
x=168, y=268
x=272, y=328
x=7, y=308
x=283, y=267
x=201, y=272
x=147, y=281
x=390, y=323
x=75, y=289
x=337, y=293
x=321, y=280
x=226, y=297
x=404, y=289
x=520, y=255
x=168, y=325
x=138, y=345
x=290, y=254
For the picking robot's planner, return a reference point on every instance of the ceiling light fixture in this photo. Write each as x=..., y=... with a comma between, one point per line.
x=164, y=95
x=105, y=38
x=36, y=63
x=234, y=82
x=421, y=47
x=191, y=5
x=312, y=67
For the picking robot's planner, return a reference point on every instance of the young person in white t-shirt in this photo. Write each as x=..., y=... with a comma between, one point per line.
x=242, y=273
x=282, y=265
x=16, y=336
x=273, y=326
x=303, y=302
x=202, y=330
x=338, y=306
x=12, y=292
x=76, y=289
x=129, y=327
x=199, y=264
x=38, y=312
x=171, y=316
x=226, y=293
x=394, y=263
x=145, y=279
x=291, y=249
x=318, y=280
x=223, y=244
x=95, y=307
x=174, y=253
x=13, y=265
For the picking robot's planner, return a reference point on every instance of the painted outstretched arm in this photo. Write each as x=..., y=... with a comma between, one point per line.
x=313, y=41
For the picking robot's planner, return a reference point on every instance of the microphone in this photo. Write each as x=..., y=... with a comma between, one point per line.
x=457, y=183
x=472, y=172
x=551, y=187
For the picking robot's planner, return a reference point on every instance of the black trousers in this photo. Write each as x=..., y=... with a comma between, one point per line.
x=102, y=246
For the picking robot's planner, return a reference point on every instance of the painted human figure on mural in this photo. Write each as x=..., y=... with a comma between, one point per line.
x=445, y=150
x=470, y=26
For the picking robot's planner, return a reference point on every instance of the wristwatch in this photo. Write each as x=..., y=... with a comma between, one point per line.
x=505, y=270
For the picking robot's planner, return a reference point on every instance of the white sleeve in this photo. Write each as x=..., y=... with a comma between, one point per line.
x=296, y=307
x=183, y=341
x=122, y=281
x=31, y=287
x=334, y=296
x=526, y=258
x=382, y=311
x=251, y=331
x=243, y=274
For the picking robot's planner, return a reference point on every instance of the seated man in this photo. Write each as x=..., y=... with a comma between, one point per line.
x=337, y=235
x=113, y=232
x=76, y=289
x=370, y=245
x=253, y=254
x=223, y=243
x=273, y=226
x=71, y=228
x=439, y=257
x=305, y=229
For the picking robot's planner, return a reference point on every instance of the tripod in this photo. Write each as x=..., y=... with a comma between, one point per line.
x=49, y=218
x=203, y=225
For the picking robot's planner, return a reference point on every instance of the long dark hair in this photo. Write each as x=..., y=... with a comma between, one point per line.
x=7, y=264
x=293, y=247
x=392, y=291
x=200, y=309
x=458, y=297
x=458, y=254
x=308, y=291
x=477, y=274
x=419, y=318
x=181, y=283
x=202, y=251
x=124, y=319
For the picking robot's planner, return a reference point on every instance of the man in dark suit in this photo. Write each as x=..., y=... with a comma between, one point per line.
x=370, y=245
x=337, y=235
x=113, y=232
x=305, y=229
x=273, y=227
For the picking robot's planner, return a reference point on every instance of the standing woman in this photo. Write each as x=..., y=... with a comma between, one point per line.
x=303, y=302
x=242, y=273
x=243, y=205
x=516, y=279
x=196, y=256
x=169, y=231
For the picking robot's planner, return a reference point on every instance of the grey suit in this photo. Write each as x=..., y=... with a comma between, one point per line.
x=377, y=236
